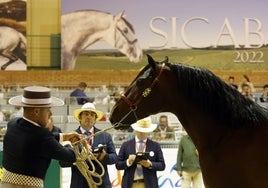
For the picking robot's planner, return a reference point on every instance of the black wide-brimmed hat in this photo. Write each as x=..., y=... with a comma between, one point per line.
x=36, y=96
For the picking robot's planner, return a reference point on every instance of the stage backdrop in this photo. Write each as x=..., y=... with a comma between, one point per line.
x=218, y=35
x=88, y=34
x=13, y=35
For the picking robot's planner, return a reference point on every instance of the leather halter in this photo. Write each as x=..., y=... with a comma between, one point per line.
x=116, y=28
x=134, y=105
x=131, y=42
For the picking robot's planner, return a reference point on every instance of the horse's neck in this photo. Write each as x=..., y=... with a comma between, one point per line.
x=87, y=28
x=203, y=129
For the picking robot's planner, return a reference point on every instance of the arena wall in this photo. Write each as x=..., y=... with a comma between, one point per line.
x=69, y=79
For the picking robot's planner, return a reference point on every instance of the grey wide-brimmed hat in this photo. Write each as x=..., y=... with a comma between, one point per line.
x=36, y=96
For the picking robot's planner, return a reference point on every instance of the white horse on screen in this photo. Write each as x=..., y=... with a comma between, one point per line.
x=81, y=29
x=12, y=46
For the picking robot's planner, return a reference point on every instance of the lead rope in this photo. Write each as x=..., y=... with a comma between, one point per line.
x=84, y=160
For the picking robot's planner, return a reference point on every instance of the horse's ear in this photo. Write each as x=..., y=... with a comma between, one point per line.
x=165, y=60
x=151, y=61
x=120, y=15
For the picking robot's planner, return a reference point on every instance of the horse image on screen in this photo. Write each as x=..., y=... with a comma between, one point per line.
x=82, y=28
x=229, y=130
x=12, y=46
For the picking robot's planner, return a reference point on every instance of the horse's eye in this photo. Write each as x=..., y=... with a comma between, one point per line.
x=139, y=82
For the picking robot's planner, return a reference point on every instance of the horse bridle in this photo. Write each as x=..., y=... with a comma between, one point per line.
x=129, y=41
x=134, y=105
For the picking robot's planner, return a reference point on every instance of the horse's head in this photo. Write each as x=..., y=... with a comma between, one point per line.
x=141, y=98
x=125, y=39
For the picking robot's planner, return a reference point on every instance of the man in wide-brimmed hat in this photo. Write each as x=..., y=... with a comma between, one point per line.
x=140, y=157
x=28, y=145
x=87, y=116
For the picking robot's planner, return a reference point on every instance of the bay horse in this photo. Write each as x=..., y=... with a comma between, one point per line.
x=229, y=130
x=12, y=45
x=82, y=28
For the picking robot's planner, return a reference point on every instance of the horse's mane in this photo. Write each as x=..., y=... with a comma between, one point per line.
x=214, y=96
x=99, y=11
x=90, y=10
x=129, y=25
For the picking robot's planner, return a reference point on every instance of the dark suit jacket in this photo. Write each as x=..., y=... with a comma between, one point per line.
x=28, y=149
x=150, y=177
x=78, y=180
x=80, y=96
x=56, y=130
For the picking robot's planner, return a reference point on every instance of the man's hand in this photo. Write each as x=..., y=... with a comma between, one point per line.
x=72, y=137
x=131, y=159
x=146, y=163
x=100, y=156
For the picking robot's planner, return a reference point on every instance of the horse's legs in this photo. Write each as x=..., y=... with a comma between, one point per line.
x=20, y=54
x=3, y=67
x=12, y=58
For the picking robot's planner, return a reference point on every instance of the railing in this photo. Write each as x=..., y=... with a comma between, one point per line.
x=104, y=101
x=118, y=136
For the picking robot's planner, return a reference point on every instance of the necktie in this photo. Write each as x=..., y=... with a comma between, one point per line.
x=88, y=133
x=139, y=167
x=140, y=146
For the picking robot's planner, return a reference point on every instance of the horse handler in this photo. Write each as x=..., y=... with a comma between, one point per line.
x=28, y=145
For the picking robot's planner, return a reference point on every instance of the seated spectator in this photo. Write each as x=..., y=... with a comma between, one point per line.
x=80, y=94
x=231, y=82
x=264, y=96
x=246, y=91
x=247, y=81
x=117, y=95
x=163, y=131
x=2, y=116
